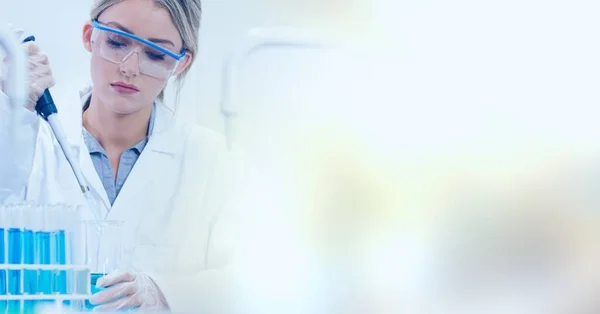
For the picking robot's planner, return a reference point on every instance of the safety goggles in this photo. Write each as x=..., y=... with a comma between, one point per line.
x=116, y=46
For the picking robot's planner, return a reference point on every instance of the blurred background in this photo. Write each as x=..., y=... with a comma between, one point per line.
x=435, y=157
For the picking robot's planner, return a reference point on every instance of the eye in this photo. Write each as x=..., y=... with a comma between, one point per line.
x=155, y=56
x=115, y=44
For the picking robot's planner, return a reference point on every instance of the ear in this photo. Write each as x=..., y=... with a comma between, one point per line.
x=87, y=36
x=184, y=63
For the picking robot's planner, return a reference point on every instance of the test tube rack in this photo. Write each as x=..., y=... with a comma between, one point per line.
x=40, y=259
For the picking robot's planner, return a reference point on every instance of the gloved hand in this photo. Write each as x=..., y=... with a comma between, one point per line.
x=40, y=75
x=128, y=291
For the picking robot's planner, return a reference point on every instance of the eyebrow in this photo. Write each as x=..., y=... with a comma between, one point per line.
x=155, y=40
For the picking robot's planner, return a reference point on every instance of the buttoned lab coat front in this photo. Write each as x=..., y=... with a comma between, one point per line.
x=176, y=204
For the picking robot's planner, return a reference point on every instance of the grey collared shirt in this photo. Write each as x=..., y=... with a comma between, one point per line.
x=128, y=159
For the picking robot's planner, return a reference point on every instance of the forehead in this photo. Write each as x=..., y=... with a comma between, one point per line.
x=143, y=18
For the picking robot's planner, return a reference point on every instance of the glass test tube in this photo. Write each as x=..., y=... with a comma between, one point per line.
x=78, y=281
x=15, y=256
x=103, y=249
x=30, y=276
x=58, y=247
x=74, y=247
x=42, y=248
x=3, y=254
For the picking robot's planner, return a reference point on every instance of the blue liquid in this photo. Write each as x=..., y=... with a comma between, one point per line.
x=29, y=306
x=15, y=250
x=29, y=276
x=14, y=307
x=3, y=304
x=42, y=241
x=1, y=245
x=93, y=279
x=14, y=257
x=59, y=278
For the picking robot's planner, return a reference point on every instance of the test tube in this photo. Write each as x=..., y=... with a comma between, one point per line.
x=58, y=247
x=42, y=254
x=74, y=247
x=15, y=256
x=3, y=253
x=103, y=249
x=30, y=276
x=78, y=280
x=74, y=254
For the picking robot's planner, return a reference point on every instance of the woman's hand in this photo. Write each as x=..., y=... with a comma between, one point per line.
x=128, y=291
x=40, y=75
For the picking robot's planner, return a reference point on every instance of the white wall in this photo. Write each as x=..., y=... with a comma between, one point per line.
x=531, y=65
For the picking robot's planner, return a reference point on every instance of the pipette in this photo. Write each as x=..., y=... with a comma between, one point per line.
x=47, y=110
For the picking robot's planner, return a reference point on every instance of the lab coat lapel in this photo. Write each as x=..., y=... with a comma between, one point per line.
x=91, y=176
x=85, y=161
x=159, y=153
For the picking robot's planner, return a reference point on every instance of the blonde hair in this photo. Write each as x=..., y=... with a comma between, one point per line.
x=186, y=16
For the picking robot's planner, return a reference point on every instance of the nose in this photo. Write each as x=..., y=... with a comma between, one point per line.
x=130, y=66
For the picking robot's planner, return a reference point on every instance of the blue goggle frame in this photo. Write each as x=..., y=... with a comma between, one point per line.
x=99, y=26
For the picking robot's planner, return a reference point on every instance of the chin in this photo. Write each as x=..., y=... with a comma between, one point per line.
x=125, y=109
x=123, y=106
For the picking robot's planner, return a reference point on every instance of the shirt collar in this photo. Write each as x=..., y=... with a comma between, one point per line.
x=163, y=127
x=94, y=146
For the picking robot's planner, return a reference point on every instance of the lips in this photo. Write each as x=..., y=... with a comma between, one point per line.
x=126, y=86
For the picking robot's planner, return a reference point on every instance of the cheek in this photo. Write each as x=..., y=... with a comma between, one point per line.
x=153, y=86
x=101, y=71
x=150, y=87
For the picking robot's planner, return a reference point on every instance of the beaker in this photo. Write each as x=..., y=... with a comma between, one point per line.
x=103, y=248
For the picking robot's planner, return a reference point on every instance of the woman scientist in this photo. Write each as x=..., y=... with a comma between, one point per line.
x=168, y=182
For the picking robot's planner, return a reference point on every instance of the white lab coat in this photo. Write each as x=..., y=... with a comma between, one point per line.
x=176, y=202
